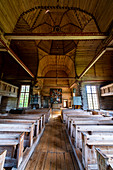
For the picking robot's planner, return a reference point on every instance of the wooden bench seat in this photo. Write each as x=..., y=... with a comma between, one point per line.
x=75, y=113
x=72, y=111
x=67, y=116
x=89, y=129
x=89, y=142
x=2, y=159
x=71, y=119
x=74, y=119
x=104, y=158
x=22, y=121
x=14, y=144
x=27, y=128
x=40, y=117
x=89, y=122
x=45, y=111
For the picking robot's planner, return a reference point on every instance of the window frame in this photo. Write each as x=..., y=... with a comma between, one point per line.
x=24, y=95
x=92, y=97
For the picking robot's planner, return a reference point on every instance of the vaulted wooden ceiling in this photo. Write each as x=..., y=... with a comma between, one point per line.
x=56, y=17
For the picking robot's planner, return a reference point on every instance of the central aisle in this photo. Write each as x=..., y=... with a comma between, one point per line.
x=54, y=151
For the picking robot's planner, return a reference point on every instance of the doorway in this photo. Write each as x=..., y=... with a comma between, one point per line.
x=65, y=103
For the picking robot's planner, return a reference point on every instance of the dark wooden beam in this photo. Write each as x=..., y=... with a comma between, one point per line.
x=54, y=78
x=56, y=36
x=106, y=47
x=93, y=61
x=11, y=52
x=3, y=50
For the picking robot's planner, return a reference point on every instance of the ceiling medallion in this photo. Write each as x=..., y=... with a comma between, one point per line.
x=57, y=28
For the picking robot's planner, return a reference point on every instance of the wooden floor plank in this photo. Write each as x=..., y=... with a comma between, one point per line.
x=53, y=161
x=33, y=160
x=58, y=157
x=54, y=151
x=47, y=165
x=41, y=161
x=63, y=165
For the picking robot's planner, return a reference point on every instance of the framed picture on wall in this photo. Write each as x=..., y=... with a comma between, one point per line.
x=56, y=96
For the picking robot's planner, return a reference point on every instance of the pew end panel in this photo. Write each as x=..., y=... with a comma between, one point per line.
x=15, y=147
x=89, y=143
x=104, y=159
x=2, y=159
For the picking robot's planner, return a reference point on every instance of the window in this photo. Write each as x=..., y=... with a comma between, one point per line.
x=24, y=96
x=92, y=97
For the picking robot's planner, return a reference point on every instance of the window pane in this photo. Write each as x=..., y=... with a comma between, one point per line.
x=22, y=88
x=88, y=89
x=27, y=88
x=93, y=89
x=92, y=97
x=90, y=104
x=95, y=101
x=26, y=99
x=24, y=96
x=21, y=100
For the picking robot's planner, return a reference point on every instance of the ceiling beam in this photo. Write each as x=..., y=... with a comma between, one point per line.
x=94, y=60
x=54, y=78
x=55, y=36
x=109, y=48
x=11, y=52
x=3, y=49
x=105, y=48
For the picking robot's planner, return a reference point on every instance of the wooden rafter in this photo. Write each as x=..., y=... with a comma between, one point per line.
x=54, y=78
x=11, y=52
x=55, y=36
x=105, y=48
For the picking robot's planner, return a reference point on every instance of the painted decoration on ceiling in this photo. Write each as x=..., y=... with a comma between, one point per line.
x=56, y=96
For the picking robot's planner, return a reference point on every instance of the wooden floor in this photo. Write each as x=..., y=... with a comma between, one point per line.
x=54, y=151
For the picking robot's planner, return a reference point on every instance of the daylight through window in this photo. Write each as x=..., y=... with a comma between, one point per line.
x=24, y=96
x=92, y=97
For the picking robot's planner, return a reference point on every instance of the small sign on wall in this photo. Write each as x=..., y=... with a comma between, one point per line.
x=77, y=100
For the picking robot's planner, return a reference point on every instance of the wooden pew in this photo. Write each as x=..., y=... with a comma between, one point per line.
x=85, y=117
x=104, y=159
x=14, y=144
x=29, y=128
x=63, y=110
x=40, y=117
x=31, y=117
x=71, y=111
x=89, y=122
x=22, y=121
x=89, y=129
x=75, y=113
x=45, y=111
x=74, y=120
x=89, y=142
x=100, y=112
x=79, y=115
x=2, y=159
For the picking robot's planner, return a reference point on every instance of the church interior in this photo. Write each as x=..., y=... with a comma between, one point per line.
x=56, y=84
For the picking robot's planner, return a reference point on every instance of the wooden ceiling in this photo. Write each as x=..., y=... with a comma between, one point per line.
x=56, y=17
x=100, y=10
